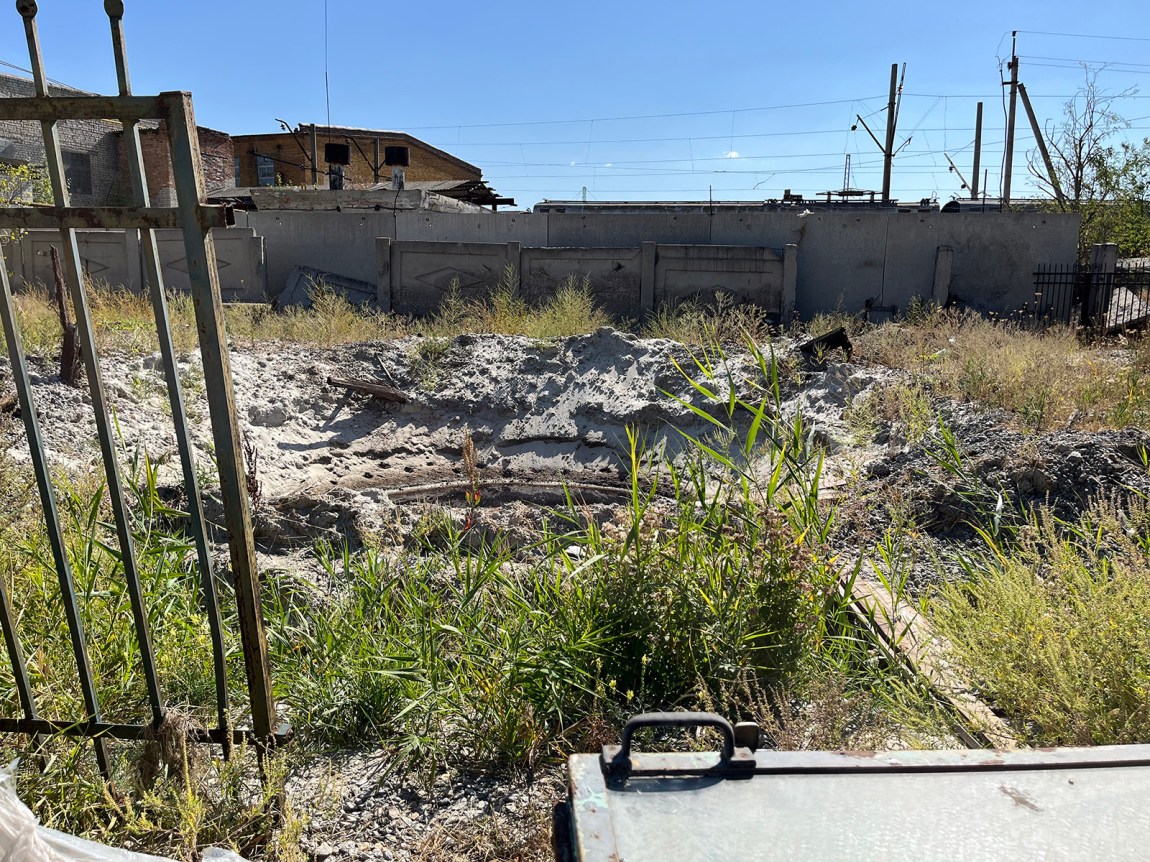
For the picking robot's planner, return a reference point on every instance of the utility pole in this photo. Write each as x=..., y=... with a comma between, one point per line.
x=888, y=150
x=1034, y=127
x=977, y=152
x=1008, y=168
x=314, y=156
x=375, y=163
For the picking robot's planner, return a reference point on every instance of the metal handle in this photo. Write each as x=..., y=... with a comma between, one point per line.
x=734, y=761
x=677, y=719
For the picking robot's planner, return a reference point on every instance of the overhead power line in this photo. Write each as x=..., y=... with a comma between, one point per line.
x=1087, y=62
x=1087, y=36
x=645, y=116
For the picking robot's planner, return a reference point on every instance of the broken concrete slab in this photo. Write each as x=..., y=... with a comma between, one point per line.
x=302, y=283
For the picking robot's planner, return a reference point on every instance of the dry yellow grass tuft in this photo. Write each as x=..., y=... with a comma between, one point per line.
x=1048, y=379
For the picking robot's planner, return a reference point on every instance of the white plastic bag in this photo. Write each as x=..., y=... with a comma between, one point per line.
x=23, y=839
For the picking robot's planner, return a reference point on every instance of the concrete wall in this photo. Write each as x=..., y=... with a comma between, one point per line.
x=614, y=275
x=414, y=277
x=844, y=259
x=699, y=272
x=420, y=274
x=115, y=257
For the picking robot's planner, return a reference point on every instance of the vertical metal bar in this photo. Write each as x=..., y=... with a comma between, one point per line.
x=48, y=504
x=15, y=652
x=151, y=254
x=54, y=160
x=200, y=255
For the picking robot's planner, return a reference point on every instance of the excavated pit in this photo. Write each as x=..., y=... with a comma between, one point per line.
x=547, y=418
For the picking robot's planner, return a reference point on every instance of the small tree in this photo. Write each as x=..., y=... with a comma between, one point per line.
x=1106, y=184
x=22, y=184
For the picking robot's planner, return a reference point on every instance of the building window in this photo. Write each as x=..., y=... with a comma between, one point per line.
x=237, y=182
x=265, y=171
x=78, y=173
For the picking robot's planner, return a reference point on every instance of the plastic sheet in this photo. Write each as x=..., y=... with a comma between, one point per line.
x=23, y=839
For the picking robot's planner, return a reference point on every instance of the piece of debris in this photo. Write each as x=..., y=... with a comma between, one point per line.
x=10, y=406
x=303, y=283
x=368, y=387
x=70, y=337
x=825, y=343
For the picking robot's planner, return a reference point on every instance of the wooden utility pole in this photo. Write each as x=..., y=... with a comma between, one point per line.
x=977, y=152
x=888, y=150
x=1034, y=127
x=1008, y=167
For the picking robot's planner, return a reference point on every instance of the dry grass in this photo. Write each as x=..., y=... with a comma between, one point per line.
x=1052, y=629
x=497, y=838
x=701, y=323
x=124, y=322
x=1048, y=379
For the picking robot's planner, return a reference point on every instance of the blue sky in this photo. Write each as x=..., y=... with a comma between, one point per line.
x=632, y=100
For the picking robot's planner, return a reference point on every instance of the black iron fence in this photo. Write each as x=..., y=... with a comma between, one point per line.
x=1105, y=302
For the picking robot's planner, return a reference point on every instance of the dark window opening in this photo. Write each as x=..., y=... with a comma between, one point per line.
x=265, y=171
x=78, y=173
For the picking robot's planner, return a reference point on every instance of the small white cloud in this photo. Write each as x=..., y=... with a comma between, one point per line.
x=572, y=164
x=609, y=165
x=731, y=154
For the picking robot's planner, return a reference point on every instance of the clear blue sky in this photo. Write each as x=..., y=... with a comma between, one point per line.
x=632, y=100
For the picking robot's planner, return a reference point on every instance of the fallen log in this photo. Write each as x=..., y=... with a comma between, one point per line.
x=369, y=387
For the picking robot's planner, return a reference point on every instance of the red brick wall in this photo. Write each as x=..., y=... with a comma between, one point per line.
x=217, y=161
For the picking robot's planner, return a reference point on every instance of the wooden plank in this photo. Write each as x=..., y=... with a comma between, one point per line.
x=908, y=637
x=368, y=387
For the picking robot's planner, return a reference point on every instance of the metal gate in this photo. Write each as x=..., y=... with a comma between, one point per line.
x=195, y=219
x=1105, y=300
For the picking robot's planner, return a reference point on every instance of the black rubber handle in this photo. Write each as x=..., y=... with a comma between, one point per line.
x=678, y=719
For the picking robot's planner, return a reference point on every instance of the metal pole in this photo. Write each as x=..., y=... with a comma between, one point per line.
x=888, y=150
x=15, y=651
x=1038, y=137
x=74, y=270
x=200, y=255
x=977, y=152
x=1008, y=166
x=375, y=162
x=151, y=255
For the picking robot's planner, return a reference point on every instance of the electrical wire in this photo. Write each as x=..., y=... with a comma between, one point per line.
x=639, y=116
x=1087, y=36
x=1087, y=62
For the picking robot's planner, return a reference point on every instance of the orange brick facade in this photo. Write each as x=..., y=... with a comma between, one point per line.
x=292, y=167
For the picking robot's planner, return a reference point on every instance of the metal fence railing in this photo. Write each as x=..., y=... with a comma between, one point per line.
x=196, y=220
x=1103, y=302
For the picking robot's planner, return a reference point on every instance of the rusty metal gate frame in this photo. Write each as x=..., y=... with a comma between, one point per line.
x=195, y=219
